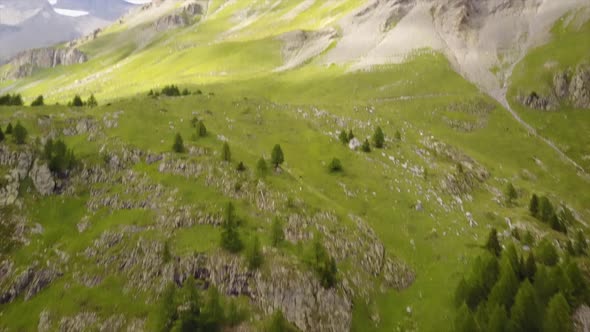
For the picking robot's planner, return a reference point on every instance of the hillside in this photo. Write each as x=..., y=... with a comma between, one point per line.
x=124, y=225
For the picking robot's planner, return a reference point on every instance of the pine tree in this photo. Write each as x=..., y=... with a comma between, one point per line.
x=277, y=233
x=92, y=101
x=20, y=134
x=525, y=311
x=202, y=129
x=505, y=289
x=510, y=194
x=230, y=238
x=366, y=147
x=493, y=245
x=167, y=313
x=225, y=152
x=38, y=101
x=261, y=167
x=581, y=245
x=350, y=135
x=335, y=165
x=178, y=145
x=323, y=264
x=343, y=137
x=464, y=322
x=546, y=253
x=212, y=312
x=278, y=323
x=77, y=101
x=9, y=129
x=579, y=286
x=557, y=316
x=241, y=167
x=498, y=320
x=2, y=137
x=189, y=317
x=534, y=206
x=530, y=267
x=254, y=254
x=277, y=157
x=378, y=138
x=545, y=209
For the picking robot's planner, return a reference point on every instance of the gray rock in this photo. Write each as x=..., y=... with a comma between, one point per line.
x=561, y=85
x=580, y=88
x=27, y=62
x=42, y=178
x=44, y=322
x=354, y=144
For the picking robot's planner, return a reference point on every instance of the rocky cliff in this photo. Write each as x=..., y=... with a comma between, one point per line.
x=27, y=62
x=569, y=87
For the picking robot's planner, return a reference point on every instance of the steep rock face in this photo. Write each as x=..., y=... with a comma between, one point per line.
x=27, y=62
x=580, y=88
x=42, y=178
x=180, y=18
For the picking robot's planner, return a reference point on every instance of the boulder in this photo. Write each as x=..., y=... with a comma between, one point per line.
x=580, y=88
x=354, y=144
x=561, y=85
x=42, y=178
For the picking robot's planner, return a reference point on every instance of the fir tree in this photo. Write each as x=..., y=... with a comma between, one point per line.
x=493, y=245
x=20, y=134
x=77, y=101
x=498, y=320
x=261, y=167
x=546, y=253
x=510, y=194
x=1, y=135
x=38, y=101
x=581, y=245
x=92, y=101
x=378, y=138
x=178, y=145
x=202, y=129
x=343, y=137
x=230, y=238
x=277, y=233
x=335, y=166
x=241, y=167
x=366, y=147
x=530, y=267
x=254, y=254
x=225, y=152
x=534, y=206
x=464, y=322
x=277, y=157
x=167, y=314
x=557, y=316
x=350, y=135
x=545, y=209
x=525, y=311
x=212, y=312
x=9, y=129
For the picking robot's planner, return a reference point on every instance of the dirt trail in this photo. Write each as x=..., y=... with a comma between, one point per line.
x=500, y=96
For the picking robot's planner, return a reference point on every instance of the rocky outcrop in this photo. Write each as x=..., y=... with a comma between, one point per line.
x=42, y=178
x=9, y=189
x=179, y=19
x=538, y=102
x=568, y=87
x=580, y=88
x=29, y=282
x=26, y=63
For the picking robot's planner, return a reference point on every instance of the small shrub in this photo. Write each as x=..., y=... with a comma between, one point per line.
x=20, y=134
x=178, y=145
x=38, y=101
x=366, y=147
x=335, y=166
x=261, y=167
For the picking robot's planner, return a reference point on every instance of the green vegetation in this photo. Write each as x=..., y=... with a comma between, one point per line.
x=225, y=152
x=230, y=237
x=20, y=134
x=11, y=100
x=335, y=166
x=59, y=158
x=178, y=145
x=277, y=158
x=378, y=138
x=39, y=101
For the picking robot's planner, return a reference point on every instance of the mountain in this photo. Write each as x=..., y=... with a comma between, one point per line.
x=253, y=165
x=24, y=19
